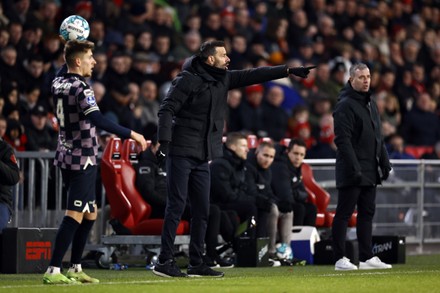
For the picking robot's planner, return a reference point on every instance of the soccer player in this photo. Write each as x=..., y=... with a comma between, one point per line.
x=78, y=116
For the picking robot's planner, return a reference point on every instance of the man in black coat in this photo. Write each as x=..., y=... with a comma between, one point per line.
x=191, y=120
x=361, y=163
x=230, y=186
x=9, y=176
x=288, y=185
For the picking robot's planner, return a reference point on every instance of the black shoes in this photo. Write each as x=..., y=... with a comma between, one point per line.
x=217, y=262
x=203, y=270
x=168, y=269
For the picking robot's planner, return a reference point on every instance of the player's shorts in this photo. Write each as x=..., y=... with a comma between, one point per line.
x=81, y=192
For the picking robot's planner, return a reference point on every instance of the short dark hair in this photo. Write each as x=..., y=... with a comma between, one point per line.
x=208, y=48
x=233, y=137
x=74, y=48
x=296, y=141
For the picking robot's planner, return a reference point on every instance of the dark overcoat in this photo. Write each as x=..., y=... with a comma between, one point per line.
x=361, y=156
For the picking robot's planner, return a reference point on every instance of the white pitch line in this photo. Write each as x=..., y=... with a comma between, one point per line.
x=377, y=273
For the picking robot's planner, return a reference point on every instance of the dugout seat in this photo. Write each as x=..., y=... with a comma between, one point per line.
x=321, y=198
x=126, y=204
x=252, y=141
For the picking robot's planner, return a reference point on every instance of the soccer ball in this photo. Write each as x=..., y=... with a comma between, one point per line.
x=283, y=251
x=74, y=27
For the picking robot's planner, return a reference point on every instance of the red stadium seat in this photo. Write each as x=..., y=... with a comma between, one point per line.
x=418, y=151
x=252, y=141
x=126, y=204
x=321, y=198
x=285, y=141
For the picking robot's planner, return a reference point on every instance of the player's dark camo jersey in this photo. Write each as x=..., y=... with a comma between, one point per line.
x=77, y=141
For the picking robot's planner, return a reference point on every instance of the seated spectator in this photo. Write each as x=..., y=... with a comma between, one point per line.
x=325, y=147
x=15, y=135
x=41, y=136
x=151, y=184
x=3, y=126
x=229, y=188
x=288, y=186
x=421, y=126
x=397, y=148
x=275, y=118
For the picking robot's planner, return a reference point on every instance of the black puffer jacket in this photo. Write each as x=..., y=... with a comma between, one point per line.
x=287, y=183
x=9, y=173
x=192, y=114
x=229, y=181
x=361, y=156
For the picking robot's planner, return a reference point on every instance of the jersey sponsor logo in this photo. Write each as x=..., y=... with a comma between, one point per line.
x=90, y=97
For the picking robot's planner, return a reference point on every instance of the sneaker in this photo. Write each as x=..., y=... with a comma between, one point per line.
x=56, y=279
x=223, y=263
x=81, y=277
x=168, y=269
x=203, y=270
x=210, y=262
x=344, y=264
x=274, y=262
x=373, y=263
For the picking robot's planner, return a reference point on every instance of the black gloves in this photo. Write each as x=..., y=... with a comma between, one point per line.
x=301, y=71
x=162, y=152
x=386, y=174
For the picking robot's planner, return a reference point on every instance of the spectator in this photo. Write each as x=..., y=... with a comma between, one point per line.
x=148, y=106
x=232, y=122
x=397, y=148
x=3, y=126
x=9, y=176
x=15, y=135
x=41, y=137
x=325, y=147
x=414, y=126
x=274, y=117
x=9, y=68
x=288, y=186
x=250, y=110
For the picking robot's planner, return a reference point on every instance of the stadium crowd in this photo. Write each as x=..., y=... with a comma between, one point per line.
x=141, y=45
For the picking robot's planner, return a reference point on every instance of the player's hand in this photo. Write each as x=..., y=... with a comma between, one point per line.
x=140, y=139
x=301, y=71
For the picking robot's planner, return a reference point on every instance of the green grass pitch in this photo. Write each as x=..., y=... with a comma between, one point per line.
x=419, y=274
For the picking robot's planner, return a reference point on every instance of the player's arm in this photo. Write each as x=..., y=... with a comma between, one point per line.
x=103, y=123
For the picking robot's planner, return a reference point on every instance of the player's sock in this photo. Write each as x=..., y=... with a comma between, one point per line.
x=76, y=268
x=80, y=240
x=63, y=239
x=53, y=270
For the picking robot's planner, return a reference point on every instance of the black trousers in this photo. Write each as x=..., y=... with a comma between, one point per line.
x=304, y=214
x=365, y=199
x=186, y=179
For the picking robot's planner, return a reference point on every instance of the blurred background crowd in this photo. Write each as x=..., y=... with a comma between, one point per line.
x=141, y=45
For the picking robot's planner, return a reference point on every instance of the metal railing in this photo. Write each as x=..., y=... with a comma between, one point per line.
x=408, y=204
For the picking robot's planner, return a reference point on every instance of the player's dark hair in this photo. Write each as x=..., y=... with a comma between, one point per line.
x=209, y=48
x=296, y=141
x=74, y=49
